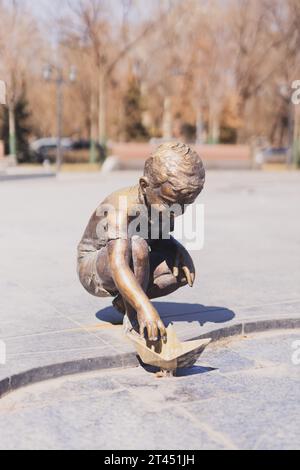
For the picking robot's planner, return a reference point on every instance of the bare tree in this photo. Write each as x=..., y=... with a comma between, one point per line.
x=258, y=49
x=18, y=48
x=214, y=64
x=108, y=48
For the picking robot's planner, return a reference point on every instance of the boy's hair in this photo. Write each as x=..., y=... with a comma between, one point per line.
x=179, y=165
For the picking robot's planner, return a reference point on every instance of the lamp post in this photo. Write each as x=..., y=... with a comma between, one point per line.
x=54, y=73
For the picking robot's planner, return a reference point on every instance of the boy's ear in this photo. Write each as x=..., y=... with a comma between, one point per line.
x=144, y=184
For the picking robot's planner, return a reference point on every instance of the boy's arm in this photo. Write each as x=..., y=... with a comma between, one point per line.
x=131, y=291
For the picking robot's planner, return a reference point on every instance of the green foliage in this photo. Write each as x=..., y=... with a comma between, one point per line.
x=228, y=135
x=296, y=153
x=134, y=130
x=23, y=128
x=188, y=132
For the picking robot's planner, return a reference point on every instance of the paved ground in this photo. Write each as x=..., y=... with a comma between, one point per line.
x=245, y=395
x=21, y=173
x=248, y=270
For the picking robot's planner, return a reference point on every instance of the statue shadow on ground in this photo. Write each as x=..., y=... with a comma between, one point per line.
x=173, y=312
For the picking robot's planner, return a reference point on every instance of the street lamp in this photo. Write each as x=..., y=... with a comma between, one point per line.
x=54, y=73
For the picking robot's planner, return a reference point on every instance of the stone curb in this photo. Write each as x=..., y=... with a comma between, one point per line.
x=4, y=177
x=122, y=361
x=249, y=327
x=54, y=371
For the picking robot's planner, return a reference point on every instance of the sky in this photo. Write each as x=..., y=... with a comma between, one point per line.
x=50, y=10
x=44, y=8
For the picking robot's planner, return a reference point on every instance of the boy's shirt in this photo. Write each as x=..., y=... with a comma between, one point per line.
x=121, y=215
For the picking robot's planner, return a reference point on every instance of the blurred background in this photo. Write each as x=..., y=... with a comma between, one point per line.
x=91, y=79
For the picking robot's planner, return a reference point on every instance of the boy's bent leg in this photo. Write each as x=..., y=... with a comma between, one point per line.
x=104, y=272
x=153, y=270
x=140, y=265
x=141, y=261
x=90, y=278
x=163, y=281
x=138, y=260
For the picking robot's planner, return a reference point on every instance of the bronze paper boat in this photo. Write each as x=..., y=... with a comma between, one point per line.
x=170, y=355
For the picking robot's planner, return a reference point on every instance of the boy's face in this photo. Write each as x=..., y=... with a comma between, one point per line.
x=163, y=197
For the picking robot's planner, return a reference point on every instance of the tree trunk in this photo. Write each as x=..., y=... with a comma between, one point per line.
x=12, y=131
x=93, y=130
x=215, y=130
x=214, y=127
x=102, y=108
x=199, y=126
x=242, y=134
x=167, y=119
x=59, y=110
x=297, y=138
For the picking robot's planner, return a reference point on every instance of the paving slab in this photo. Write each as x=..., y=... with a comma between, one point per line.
x=233, y=399
x=248, y=272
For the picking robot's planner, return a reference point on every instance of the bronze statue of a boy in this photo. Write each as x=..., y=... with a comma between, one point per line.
x=117, y=258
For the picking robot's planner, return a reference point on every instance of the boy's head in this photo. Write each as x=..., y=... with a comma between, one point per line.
x=174, y=174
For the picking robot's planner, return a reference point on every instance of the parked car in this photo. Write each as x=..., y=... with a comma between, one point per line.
x=272, y=155
x=74, y=151
x=45, y=149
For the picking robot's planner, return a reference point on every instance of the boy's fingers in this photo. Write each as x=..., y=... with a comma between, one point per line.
x=176, y=270
x=176, y=266
x=188, y=275
x=155, y=332
x=154, y=329
x=152, y=332
x=149, y=332
x=142, y=330
x=162, y=330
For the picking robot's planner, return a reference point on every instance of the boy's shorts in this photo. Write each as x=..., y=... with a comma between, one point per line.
x=88, y=274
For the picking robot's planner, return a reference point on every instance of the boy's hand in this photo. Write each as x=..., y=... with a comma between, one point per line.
x=184, y=261
x=150, y=320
